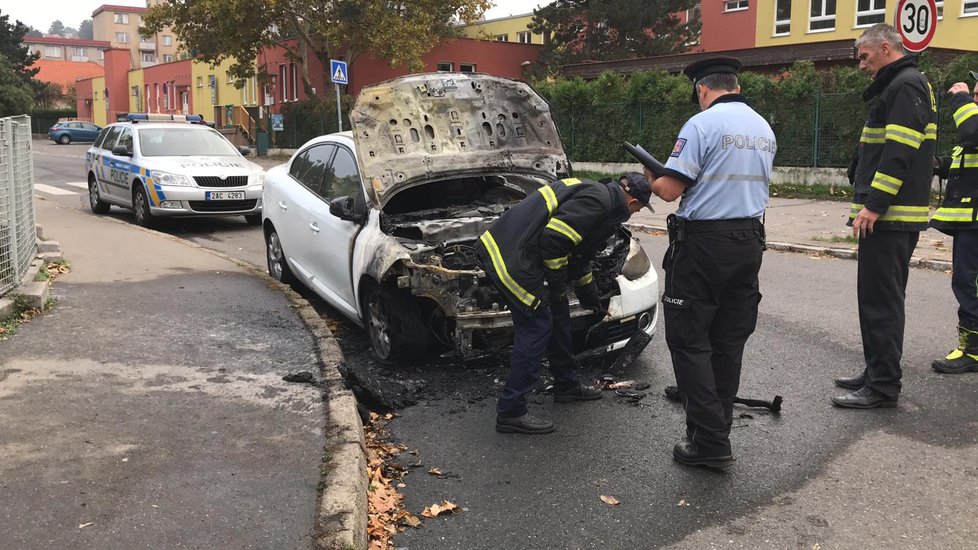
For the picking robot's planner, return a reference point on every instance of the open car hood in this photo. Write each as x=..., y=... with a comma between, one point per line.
x=420, y=128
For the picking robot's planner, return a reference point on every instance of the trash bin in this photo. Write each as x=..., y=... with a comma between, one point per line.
x=261, y=143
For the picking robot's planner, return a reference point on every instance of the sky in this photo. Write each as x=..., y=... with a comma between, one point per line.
x=40, y=13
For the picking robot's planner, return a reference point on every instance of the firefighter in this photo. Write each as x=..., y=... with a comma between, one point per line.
x=721, y=166
x=890, y=208
x=531, y=254
x=956, y=217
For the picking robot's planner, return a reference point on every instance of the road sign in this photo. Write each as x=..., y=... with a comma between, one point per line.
x=916, y=21
x=338, y=73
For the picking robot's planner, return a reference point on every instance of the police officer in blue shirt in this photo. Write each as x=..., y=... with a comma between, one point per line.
x=720, y=167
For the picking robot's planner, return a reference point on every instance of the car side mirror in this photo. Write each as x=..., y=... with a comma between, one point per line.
x=244, y=150
x=121, y=151
x=345, y=208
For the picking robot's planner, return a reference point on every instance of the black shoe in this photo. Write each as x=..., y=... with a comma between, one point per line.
x=864, y=398
x=579, y=393
x=526, y=424
x=853, y=383
x=685, y=452
x=956, y=362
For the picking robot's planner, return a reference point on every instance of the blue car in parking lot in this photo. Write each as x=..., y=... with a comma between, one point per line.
x=75, y=130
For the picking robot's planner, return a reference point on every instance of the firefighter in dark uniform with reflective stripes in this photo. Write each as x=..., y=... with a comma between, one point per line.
x=721, y=166
x=956, y=217
x=531, y=253
x=890, y=208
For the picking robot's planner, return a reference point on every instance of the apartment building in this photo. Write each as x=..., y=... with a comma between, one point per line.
x=119, y=25
x=57, y=48
x=515, y=28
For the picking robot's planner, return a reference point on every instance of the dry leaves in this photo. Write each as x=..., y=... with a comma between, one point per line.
x=682, y=503
x=385, y=504
x=84, y=525
x=609, y=500
x=436, y=510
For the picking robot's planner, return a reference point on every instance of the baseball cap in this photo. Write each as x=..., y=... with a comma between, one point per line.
x=637, y=186
x=711, y=65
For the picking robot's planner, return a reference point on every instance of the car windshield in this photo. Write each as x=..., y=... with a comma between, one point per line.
x=184, y=142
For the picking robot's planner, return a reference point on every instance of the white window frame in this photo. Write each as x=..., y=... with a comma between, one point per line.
x=121, y=18
x=524, y=37
x=122, y=37
x=735, y=5
x=812, y=19
x=940, y=9
x=167, y=40
x=440, y=64
x=101, y=54
x=200, y=82
x=462, y=66
x=782, y=22
x=53, y=51
x=167, y=58
x=295, y=81
x=502, y=37
x=79, y=51
x=148, y=57
x=877, y=8
x=969, y=8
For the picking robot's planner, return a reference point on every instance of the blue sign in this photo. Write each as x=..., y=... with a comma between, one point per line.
x=278, y=122
x=337, y=71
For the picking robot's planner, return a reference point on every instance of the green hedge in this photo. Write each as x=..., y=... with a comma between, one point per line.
x=304, y=120
x=43, y=119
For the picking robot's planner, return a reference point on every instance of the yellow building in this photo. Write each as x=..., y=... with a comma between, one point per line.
x=137, y=103
x=99, y=106
x=119, y=25
x=515, y=28
x=220, y=97
x=784, y=22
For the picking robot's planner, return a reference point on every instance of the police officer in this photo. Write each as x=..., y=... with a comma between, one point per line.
x=890, y=208
x=531, y=253
x=720, y=166
x=956, y=217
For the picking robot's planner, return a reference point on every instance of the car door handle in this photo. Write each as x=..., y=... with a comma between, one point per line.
x=283, y=206
x=314, y=226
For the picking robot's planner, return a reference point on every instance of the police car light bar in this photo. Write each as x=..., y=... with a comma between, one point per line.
x=155, y=117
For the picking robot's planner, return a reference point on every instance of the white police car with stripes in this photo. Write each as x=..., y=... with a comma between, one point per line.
x=171, y=166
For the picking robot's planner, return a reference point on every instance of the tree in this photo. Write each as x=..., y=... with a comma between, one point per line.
x=57, y=27
x=18, y=56
x=400, y=32
x=15, y=94
x=614, y=29
x=34, y=32
x=85, y=30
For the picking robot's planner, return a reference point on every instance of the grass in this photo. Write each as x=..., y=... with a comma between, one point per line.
x=837, y=239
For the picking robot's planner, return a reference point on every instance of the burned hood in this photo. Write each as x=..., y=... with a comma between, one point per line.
x=428, y=127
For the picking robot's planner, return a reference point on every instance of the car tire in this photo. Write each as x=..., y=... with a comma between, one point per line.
x=253, y=219
x=94, y=199
x=278, y=264
x=140, y=208
x=393, y=321
x=64, y=139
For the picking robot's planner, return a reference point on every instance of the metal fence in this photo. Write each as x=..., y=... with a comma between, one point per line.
x=18, y=230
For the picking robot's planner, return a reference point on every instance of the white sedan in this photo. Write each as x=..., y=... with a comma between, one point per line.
x=380, y=222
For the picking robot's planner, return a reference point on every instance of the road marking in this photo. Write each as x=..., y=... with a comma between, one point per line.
x=78, y=184
x=52, y=190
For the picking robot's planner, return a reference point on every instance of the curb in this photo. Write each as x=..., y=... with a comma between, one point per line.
x=841, y=253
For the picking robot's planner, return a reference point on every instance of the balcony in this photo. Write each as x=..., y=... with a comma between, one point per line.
x=147, y=46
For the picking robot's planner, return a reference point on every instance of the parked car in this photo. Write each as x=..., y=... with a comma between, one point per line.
x=380, y=222
x=76, y=130
x=171, y=168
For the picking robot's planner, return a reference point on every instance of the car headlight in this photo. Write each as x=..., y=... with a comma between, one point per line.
x=257, y=179
x=166, y=178
x=637, y=264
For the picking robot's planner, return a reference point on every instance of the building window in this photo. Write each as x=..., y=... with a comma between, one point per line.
x=970, y=7
x=295, y=81
x=167, y=58
x=782, y=18
x=735, y=5
x=52, y=51
x=940, y=9
x=167, y=40
x=122, y=37
x=101, y=54
x=122, y=18
x=502, y=38
x=466, y=67
x=822, y=15
x=524, y=37
x=283, y=81
x=870, y=12
x=200, y=82
x=148, y=57
x=80, y=52
x=445, y=67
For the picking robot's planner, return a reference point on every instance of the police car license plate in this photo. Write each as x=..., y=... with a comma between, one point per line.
x=225, y=195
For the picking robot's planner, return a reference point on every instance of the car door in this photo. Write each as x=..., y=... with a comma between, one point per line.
x=290, y=199
x=108, y=187
x=116, y=172
x=88, y=132
x=333, y=238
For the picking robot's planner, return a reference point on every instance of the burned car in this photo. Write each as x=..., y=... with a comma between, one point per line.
x=381, y=222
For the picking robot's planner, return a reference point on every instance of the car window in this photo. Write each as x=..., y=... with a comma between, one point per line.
x=111, y=138
x=73, y=125
x=125, y=139
x=101, y=137
x=184, y=141
x=309, y=167
x=89, y=126
x=342, y=179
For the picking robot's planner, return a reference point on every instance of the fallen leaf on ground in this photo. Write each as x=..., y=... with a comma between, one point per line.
x=436, y=510
x=682, y=503
x=84, y=525
x=435, y=471
x=609, y=500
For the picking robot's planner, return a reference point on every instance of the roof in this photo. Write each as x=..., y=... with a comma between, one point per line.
x=124, y=9
x=66, y=72
x=61, y=41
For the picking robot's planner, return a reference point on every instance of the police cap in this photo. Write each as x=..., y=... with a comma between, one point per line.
x=711, y=65
x=638, y=187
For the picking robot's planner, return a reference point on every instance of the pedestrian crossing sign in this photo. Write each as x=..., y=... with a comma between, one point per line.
x=337, y=70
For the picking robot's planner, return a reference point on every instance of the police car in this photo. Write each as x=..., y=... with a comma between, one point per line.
x=170, y=166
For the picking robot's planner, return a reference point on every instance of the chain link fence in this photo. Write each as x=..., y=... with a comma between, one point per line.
x=18, y=233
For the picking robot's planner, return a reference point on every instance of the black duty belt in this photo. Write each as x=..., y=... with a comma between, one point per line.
x=707, y=226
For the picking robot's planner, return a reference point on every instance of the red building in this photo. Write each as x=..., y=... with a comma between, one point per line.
x=166, y=88
x=727, y=25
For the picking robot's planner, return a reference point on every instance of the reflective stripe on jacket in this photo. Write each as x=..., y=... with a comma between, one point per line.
x=957, y=211
x=896, y=150
x=551, y=236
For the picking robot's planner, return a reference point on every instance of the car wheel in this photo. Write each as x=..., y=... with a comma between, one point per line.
x=253, y=219
x=64, y=140
x=140, y=207
x=94, y=200
x=278, y=265
x=393, y=322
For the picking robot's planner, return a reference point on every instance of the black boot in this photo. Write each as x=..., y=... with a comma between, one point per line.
x=963, y=358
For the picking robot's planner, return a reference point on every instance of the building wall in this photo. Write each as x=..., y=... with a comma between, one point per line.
x=84, y=95
x=167, y=88
x=105, y=27
x=213, y=100
x=731, y=30
x=507, y=26
x=277, y=91
x=90, y=50
x=137, y=98
x=98, y=102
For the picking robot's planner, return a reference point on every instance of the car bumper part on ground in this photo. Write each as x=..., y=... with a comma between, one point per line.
x=194, y=201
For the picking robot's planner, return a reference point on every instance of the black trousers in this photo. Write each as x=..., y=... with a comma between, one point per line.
x=964, y=279
x=546, y=330
x=881, y=287
x=710, y=309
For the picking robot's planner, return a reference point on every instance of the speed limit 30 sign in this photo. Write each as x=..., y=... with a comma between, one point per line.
x=916, y=21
